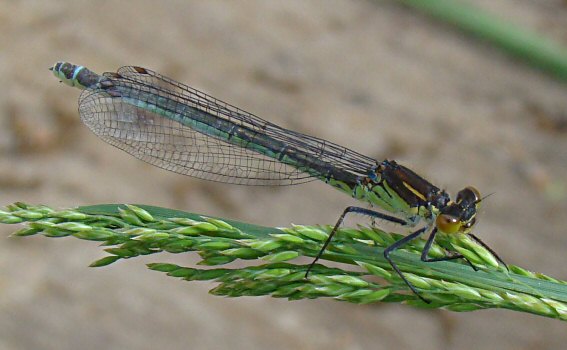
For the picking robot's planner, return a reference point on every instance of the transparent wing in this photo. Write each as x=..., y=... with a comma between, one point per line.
x=177, y=128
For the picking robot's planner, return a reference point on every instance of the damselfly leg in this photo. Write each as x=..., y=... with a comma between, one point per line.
x=398, y=244
x=357, y=210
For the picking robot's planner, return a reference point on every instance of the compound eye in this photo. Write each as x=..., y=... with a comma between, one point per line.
x=469, y=193
x=448, y=223
x=475, y=191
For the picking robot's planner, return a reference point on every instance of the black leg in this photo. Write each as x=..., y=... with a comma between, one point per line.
x=427, y=247
x=397, y=245
x=477, y=240
x=357, y=210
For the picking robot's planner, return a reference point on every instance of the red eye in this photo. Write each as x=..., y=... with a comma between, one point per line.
x=448, y=223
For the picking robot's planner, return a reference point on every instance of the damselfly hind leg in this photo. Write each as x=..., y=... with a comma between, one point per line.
x=357, y=210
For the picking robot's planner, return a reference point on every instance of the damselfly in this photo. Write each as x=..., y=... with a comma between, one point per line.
x=181, y=129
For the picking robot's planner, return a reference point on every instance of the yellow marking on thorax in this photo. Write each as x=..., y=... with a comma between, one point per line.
x=414, y=191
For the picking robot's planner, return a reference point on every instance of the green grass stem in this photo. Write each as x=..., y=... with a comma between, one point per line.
x=128, y=231
x=527, y=45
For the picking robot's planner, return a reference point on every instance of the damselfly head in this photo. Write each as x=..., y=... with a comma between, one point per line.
x=459, y=216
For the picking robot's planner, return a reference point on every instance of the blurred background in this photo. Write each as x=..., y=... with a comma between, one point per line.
x=375, y=76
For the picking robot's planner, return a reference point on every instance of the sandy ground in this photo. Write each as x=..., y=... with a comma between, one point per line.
x=375, y=76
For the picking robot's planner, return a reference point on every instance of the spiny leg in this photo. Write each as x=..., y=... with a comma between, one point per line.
x=397, y=245
x=428, y=245
x=357, y=210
